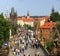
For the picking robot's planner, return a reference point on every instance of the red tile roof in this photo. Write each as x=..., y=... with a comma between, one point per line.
x=47, y=17
x=48, y=25
x=28, y=19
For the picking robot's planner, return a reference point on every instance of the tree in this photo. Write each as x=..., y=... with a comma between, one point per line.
x=58, y=25
x=4, y=29
x=54, y=16
x=54, y=35
x=26, y=26
x=48, y=45
x=1, y=15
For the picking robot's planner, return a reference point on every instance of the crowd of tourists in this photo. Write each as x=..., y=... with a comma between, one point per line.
x=23, y=45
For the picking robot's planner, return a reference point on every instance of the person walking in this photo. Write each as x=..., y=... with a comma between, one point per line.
x=18, y=51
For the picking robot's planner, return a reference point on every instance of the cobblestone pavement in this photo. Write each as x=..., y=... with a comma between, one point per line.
x=30, y=51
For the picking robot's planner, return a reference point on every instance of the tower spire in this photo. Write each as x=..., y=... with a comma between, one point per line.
x=27, y=13
x=52, y=8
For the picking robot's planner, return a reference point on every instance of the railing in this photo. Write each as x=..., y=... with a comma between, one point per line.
x=44, y=50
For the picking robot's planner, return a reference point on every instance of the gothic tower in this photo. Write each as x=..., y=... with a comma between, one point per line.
x=13, y=16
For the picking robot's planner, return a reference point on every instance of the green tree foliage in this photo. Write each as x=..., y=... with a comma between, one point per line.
x=1, y=16
x=48, y=45
x=54, y=35
x=58, y=25
x=29, y=27
x=4, y=29
x=54, y=16
x=26, y=26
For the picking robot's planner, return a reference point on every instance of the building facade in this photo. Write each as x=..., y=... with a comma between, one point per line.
x=31, y=21
x=47, y=31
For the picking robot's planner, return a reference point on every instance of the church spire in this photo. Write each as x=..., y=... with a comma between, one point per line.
x=27, y=13
x=12, y=9
x=52, y=8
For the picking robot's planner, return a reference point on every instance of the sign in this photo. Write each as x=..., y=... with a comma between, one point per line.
x=5, y=44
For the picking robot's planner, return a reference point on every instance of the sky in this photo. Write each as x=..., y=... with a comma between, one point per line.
x=35, y=7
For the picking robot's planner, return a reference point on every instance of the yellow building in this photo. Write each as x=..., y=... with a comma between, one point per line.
x=20, y=21
x=25, y=20
x=30, y=20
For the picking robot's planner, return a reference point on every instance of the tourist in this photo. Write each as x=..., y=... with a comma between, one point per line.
x=18, y=51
